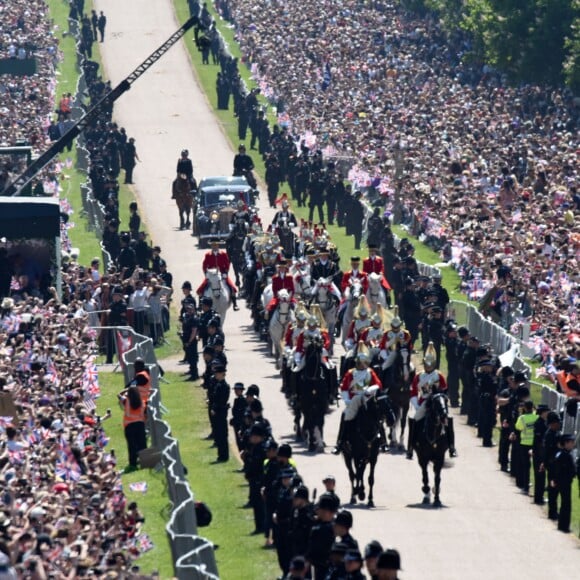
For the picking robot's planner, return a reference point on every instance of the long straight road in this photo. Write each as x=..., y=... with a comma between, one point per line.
x=487, y=529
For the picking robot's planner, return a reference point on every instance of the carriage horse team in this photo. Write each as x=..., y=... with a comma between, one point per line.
x=302, y=303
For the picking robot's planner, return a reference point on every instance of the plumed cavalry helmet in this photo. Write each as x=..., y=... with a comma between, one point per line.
x=184, y=152
x=378, y=316
x=363, y=308
x=301, y=312
x=396, y=322
x=362, y=353
x=312, y=321
x=430, y=357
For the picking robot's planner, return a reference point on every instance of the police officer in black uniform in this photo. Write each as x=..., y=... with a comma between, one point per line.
x=342, y=525
x=207, y=315
x=190, y=324
x=355, y=219
x=117, y=317
x=550, y=450
x=254, y=456
x=507, y=402
x=440, y=292
x=321, y=536
x=238, y=410
x=219, y=411
x=564, y=470
x=540, y=428
x=487, y=389
x=468, y=379
x=282, y=518
x=302, y=521
x=452, y=356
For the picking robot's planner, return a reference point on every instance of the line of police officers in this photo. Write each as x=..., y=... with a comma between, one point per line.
x=307, y=536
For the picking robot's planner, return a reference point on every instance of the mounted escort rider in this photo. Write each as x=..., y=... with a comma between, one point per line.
x=395, y=341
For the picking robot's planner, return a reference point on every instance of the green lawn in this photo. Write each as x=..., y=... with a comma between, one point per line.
x=239, y=555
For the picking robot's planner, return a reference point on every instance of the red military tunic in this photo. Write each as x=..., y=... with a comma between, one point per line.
x=376, y=266
x=280, y=283
x=351, y=378
x=219, y=261
x=291, y=336
x=403, y=340
x=300, y=342
x=372, y=336
x=346, y=277
x=424, y=383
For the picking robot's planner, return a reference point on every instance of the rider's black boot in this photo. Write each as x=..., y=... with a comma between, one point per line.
x=410, y=438
x=341, y=433
x=235, y=301
x=451, y=437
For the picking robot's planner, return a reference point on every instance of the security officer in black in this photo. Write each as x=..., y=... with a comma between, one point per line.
x=411, y=309
x=254, y=456
x=440, y=292
x=487, y=389
x=117, y=317
x=190, y=324
x=207, y=315
x=282, y=518
x=270, y=485
x=507, y=402
x=302, y=521
x=468, y=379
x=209, y=386
x=463, y=335
x=219, y=411
x=342, y=525
x=540, y=428
x=321, y=537
x=238, y=410
x=355, y=218
x=127, y=260
x=564, y=471
x=208, y=353
x=550, y=450
x=452, y=356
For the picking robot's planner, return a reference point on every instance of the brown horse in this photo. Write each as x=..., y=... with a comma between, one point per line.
x=182, y=194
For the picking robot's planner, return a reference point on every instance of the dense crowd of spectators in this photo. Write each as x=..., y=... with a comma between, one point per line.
x=63, y=511
x=487, y=172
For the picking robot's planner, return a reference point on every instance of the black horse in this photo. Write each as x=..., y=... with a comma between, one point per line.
x=361, y=446
x=312, y=396
x=235, y=249
x=431, y=442
x=397, y=383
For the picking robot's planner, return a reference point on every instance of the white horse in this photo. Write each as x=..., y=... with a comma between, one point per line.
x=324, y=293
x=218, y=290
x=282, y=316
x=303, y=285
x=375, y=293
x=267, y=294
x=352, y=295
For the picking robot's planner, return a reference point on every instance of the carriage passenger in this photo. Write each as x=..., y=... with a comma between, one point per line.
x=357, y=384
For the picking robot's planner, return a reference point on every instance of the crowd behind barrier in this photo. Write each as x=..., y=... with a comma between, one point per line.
x=493, y=188
x=193, y=555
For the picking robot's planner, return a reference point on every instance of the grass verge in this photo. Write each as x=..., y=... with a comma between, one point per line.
x=220, y=486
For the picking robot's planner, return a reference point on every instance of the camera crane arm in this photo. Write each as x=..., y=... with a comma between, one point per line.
x=15, y=187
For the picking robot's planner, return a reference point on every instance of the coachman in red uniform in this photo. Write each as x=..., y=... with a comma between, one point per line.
x=374, y=265
x=216, y=259
x=281, y=281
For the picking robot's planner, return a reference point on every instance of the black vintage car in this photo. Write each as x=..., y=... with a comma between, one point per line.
x=216, y=202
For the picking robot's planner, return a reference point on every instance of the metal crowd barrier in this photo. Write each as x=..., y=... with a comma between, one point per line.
x=193, y=556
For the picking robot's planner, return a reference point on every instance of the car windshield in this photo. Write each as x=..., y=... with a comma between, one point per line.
x=225, y=198
x=223, y=180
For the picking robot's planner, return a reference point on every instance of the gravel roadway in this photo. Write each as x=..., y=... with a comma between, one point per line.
x=486, y=529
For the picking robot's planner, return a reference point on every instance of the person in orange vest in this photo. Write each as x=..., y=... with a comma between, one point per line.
x=133, y=425
x=142, y=380
x=569, y=384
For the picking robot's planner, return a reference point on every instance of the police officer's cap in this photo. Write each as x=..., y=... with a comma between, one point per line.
x=436, y=310
x=522, y=392
x=389, y=560
x=353, y=556
x=206, y=301
x=208, y=350
x=184, y=152
x=409, y=281
x=189, y=305
x=451, y=327
x=301, y=492
x=219, y=341
x=214, y=322
x=327, y=502
x=482, y=351
x=285, y=450
x=329, y=478
x=286, y=473
x=239, y=387
x=343, y=518
x=520, y=377
x=271, y=444
x=542, y=409
x=257, y=430
x=410, y=260
x=565, y=437
x=373, y=549
x=256, y=406
x=552, y=418
x=219, y=368
x=186, y=285
x=507, y=372
x=463, y=331
x=338, y=548
x=253, y=390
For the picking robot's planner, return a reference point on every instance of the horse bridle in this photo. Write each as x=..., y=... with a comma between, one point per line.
x=217, y=292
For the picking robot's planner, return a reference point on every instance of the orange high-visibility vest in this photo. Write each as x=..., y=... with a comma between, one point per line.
x=133, y=415
x=144, y=390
